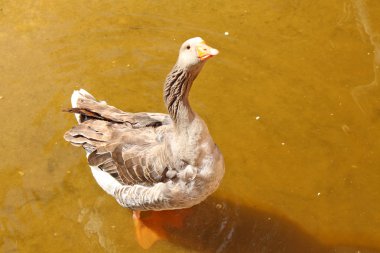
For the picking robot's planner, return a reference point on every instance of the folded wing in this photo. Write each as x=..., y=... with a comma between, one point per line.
x=128, y=146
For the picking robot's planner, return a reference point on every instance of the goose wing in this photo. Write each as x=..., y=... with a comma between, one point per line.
x=131, y=147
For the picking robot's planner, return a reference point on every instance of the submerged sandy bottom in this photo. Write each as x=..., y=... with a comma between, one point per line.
x=292, y=101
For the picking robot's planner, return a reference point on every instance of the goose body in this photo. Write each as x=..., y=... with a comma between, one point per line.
x=152, y=161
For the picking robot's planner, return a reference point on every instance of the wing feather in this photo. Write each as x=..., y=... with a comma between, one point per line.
x=124, y=145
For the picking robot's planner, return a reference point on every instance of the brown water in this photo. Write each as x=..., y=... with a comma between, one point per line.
x=293, y=101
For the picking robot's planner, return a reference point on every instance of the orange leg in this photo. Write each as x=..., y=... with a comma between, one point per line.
x=145, y=236
x=136, y=215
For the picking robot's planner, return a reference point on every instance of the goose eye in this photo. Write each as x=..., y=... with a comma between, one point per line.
x=188, y=47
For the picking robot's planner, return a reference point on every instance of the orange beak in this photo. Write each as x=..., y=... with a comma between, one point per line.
x=204, y=51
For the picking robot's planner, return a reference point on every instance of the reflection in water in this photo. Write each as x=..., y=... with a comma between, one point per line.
x=367, y=96
x=218, y=225
x=94, y=225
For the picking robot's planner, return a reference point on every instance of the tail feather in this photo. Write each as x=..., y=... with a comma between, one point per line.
x=76, y=97
x=84, y=114
x=89, y=134
x=98, y=121
x=86, y=107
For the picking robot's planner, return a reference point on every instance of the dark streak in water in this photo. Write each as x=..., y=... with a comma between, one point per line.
x=218, y=225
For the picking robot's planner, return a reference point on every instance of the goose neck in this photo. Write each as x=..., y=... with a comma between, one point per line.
x=176, y=94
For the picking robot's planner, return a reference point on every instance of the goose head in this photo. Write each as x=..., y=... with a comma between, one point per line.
x=194, y=52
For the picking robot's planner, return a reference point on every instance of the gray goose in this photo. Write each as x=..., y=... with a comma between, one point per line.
x=152, y=161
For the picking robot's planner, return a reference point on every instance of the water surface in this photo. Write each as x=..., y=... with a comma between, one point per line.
x=293, y=101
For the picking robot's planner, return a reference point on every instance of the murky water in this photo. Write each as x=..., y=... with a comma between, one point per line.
x=293, y=101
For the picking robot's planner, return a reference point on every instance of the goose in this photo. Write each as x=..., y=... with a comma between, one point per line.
x=152, y=161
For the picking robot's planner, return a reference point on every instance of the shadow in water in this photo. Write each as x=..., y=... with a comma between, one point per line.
x=221, y=226
x=218, y=225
